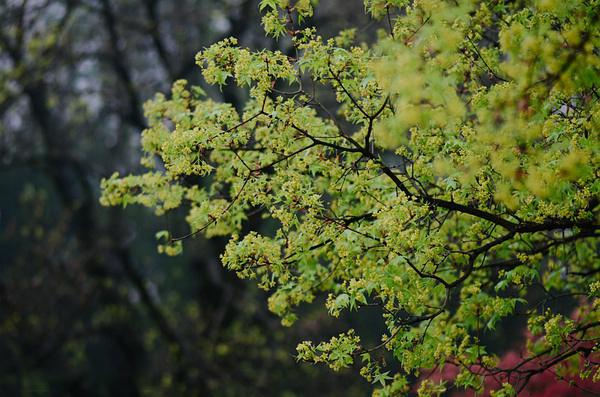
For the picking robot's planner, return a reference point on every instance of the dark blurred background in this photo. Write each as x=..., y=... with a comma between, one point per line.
x=87, y=306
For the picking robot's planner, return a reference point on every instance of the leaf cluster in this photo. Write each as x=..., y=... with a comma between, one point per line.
x=457, y=174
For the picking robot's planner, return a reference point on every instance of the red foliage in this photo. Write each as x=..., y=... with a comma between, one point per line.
x=544, y=384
